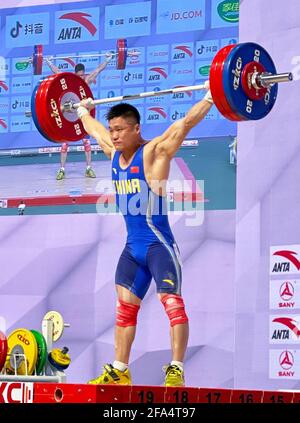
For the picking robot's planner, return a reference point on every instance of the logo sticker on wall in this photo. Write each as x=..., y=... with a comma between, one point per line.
x=285, y=259
x=284, y=364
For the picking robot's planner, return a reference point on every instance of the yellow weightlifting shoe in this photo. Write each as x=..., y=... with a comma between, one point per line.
x=111, y=376
x=174, y=375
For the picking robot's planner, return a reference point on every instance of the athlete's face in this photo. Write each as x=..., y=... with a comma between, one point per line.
x=124, y=133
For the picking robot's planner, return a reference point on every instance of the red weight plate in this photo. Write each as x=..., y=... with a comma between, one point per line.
x=37, y=61
x=216, y=84
x=250, y=90
x=55, y=91
x=121, y=53
x=45, y=112
x=3, y=350
x=41, y=109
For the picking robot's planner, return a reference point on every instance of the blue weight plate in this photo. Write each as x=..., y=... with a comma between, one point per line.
x=234, y=64
x=33, y=111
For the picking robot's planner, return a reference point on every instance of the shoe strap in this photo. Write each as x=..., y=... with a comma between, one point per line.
x=110, y=370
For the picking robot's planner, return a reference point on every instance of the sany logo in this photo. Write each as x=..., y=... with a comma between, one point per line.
x=159, y=110
x=16, y=392
x=285, y=260
x=3, y=123
x=158, y=73
x=286, y=360
x=80, y=17
x=3, y=85
x=183, y=51
x=289, y=323
x=286, y=291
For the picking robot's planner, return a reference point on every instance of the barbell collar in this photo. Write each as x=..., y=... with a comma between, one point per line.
x=266, y=79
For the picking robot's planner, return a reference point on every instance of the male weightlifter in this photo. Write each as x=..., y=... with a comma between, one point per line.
x=140, y=170
x=89, y=78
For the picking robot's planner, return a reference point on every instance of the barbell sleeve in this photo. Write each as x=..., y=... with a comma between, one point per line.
x=70, y=107
x=265, y=79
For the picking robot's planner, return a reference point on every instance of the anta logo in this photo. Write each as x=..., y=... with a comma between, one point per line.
x=182, y=52
x=3, y=123
x=181, y=95
x=130, y=186
x=75, y=32
x=3, y=86
x=158, y=74
x=290, y=323
x=156, y=113
x=284, y=266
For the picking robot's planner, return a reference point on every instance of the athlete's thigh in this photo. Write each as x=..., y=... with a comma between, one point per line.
x=164, y=265
x=132, y=275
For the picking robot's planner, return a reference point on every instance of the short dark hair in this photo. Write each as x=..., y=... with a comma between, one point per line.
x=125, y=110
x=79, y=67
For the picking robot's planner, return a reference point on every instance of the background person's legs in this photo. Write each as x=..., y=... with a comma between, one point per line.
x=88, y=155
x=63, y=157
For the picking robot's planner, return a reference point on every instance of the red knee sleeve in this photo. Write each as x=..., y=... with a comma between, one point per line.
x=174, y=307
x=126, y=314
x=64, y=147
x=87, y=145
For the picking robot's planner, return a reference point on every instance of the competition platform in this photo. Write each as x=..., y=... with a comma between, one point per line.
x=35, y=392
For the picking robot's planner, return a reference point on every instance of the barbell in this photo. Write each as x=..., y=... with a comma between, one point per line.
x=121, y=53
x=243, y=83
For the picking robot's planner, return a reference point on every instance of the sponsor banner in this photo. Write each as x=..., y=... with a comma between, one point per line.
x=136, y=57
x=20, y=66
x=134, y=90
x=21, y=85
x=284, y=259
x=109, y=93
x=110, y=78
x=16, y=392
x=3, y=125
x=180, y=16
x=284, y=364
x=157, y=74
x=77, y=25
x=159, y=99
x=90, y=63
x=4, y=106
x=128, y=20
x=4, y=87
x=158, y=53
x=224, y=13
x=27, y=30
x=156, y=114
x=179, y=111
x=20, y=104
x=228, y=41
x=202, y=70
x=20, y=123
x=66, y=64
x=182, y=51
x=182, y=97
x=285, y=294
x=207, y=49
x=285, y=329
x=182, y=73
x=134, y=76
x=4, y=68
